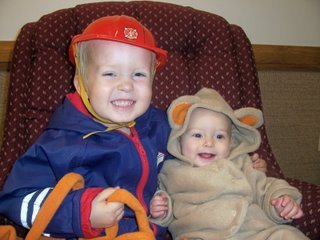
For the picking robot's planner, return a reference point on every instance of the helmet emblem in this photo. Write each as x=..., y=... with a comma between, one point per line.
x=130, y=33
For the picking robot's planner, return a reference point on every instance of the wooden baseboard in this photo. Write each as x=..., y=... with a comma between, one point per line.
x=6, y=50
x=273, y=57
x=268, y=57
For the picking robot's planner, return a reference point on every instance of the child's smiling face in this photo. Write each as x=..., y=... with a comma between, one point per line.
x=118, y=80
x=207, y=137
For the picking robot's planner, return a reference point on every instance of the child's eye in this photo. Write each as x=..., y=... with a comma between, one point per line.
x=108, y=74
x=140, y=74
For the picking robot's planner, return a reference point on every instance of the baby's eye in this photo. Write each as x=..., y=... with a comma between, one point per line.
x=220, y=136
x=197, y=135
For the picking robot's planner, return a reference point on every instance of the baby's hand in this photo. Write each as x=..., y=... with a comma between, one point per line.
x=258, y=163
x=159, y=206
x=105, y=214
x=287, y=207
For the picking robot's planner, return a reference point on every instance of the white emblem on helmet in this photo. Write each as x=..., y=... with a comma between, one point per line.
x=130, y=33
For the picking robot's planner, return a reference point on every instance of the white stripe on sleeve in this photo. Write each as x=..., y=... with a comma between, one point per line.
x=38, y=202
x=36, y=206
x=24, y=209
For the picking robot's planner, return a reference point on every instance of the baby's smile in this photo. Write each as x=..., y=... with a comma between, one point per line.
x=206, y=156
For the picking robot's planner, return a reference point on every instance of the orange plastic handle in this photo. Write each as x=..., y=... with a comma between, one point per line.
x=121, y=195
x=75, y=181
x=7, y=233
x=50, y=206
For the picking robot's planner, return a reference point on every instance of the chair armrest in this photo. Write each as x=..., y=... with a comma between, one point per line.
x=309, y=224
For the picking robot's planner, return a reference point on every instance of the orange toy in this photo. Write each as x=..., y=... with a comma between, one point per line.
x=7, y=233
x=75, y=181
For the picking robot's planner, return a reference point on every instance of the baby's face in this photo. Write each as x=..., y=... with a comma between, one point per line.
x=119, y=80
x=207, y=137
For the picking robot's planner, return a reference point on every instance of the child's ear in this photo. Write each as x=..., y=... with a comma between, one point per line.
x=250, y=116
x=76, y=83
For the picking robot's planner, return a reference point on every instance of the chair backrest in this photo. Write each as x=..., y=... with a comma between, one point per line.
x=204, y=50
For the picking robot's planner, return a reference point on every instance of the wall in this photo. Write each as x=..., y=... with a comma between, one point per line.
x=274, y=22
x=292, y=115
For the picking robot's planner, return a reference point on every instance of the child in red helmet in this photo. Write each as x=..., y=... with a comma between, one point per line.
x=106, y=130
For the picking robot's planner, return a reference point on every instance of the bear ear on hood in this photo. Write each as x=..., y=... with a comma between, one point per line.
x=178, y=110
x=179, y=113
x=249, y=116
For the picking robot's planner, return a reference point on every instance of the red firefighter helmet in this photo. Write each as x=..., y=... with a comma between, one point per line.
x=121, y=29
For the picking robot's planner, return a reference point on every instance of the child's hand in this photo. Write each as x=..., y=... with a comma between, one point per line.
x=258, y=163
x=287, y=207
x=105, y=214
x=159, y=206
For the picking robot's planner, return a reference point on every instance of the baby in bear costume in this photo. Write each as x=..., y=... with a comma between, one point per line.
x=211, y=188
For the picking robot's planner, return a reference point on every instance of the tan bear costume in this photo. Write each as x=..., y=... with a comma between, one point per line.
x=227, y=199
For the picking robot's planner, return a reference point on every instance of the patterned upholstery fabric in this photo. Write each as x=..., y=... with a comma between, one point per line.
x=204, y=50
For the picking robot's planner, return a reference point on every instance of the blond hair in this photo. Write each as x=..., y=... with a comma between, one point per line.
x=83, y=55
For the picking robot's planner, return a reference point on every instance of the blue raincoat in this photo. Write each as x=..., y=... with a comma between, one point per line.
x=105, y=159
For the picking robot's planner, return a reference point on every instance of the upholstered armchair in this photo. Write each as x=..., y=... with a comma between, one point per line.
x=203, y=50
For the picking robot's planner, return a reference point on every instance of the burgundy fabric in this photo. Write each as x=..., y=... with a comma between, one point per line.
x=204, y=50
